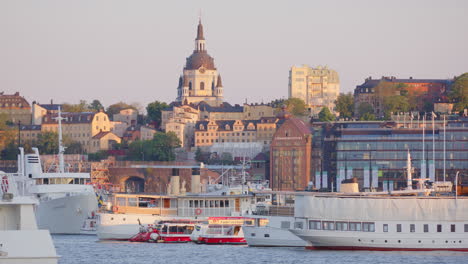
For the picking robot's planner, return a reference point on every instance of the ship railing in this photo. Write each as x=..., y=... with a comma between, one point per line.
x=8, y=185
x=276, y=211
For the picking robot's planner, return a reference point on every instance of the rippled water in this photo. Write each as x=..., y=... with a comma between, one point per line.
x=87, y=249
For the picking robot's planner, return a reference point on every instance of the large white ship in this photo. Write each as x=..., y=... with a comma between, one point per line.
x=127, y=212
x=371, y=222
x=66, y=199
x=20, y=239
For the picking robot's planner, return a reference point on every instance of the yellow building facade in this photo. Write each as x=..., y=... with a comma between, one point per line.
x=318, y=87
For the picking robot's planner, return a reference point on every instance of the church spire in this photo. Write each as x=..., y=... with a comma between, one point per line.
x=200, y=40
x=200, y=31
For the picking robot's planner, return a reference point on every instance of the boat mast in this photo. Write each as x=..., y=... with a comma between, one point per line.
x=433, y=147
x=408, y=172
x=444, y=147
x=423, y=160
x=60, y=141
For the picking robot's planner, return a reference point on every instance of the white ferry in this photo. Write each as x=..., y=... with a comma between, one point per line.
x=372, y=222
x=20, y=239
x=272, y=223
x=66, y=199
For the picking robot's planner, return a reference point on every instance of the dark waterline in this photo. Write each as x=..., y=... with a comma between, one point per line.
x=87, y=249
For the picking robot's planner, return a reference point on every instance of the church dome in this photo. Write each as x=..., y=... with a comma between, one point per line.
x=200, y=59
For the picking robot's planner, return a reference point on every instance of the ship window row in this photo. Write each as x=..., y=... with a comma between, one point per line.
x=425, y=228
x=62, y=181
x=342, y=226
x=208, y=203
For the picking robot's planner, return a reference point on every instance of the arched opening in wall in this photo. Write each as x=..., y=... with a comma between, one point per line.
x=212, y=86
x=202, y=86
x=190, y=86
x=134, y=185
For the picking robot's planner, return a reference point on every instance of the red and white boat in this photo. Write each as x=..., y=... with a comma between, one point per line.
x=177, y=231
x=222, y=230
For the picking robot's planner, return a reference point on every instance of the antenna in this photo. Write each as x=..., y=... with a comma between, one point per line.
x=61, y=149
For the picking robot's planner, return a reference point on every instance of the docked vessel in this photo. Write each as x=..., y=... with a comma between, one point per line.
x=408, y=220
x=66, y=199
x=222, y=230
x=272, y=224
x=20, y=239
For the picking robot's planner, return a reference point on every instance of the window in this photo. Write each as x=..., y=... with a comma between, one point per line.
x=328, y=225
x=342, y=226
x=439, y=228
x=354, y=226
x=298, y=225
x=267, y=235
x=426, y=228
x=285, y=224
x=368, y=227
x=314, y=225
x=190, y=86
x=385, y=227
x=466, y=227
x=252, y=234
x=202, y=86
x=398, y=227
x=452, y=228
x=412, y=228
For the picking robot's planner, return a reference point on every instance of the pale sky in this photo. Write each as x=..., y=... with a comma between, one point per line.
x=135, y=50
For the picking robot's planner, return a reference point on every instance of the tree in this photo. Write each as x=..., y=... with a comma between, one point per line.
x=96, y=105
x=115, y=108
x=154, y=111
x=7, y=132
x=395, y=103
x=199, y=155
x=82, y=106
x=459, y=92
x=296, y=106
x=325, y=115
x=74, y=147
x=47, y=142
x=366, y=111
x=345, y=105
x=160, y=148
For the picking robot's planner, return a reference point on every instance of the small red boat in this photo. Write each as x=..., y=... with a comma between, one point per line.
x=144, y=235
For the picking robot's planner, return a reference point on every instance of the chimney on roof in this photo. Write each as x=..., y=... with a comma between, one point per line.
x=16, y=94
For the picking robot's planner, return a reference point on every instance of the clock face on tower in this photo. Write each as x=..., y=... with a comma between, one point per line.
x=202, y=70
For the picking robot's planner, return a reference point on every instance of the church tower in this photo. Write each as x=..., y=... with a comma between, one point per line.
x=200, y=80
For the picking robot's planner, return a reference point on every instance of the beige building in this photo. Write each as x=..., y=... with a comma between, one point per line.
x=318, y=87
x=29, y=133
x=200, y=80
x=41, y=110
x=15, y=107
x=210, y=132
x=128, y=116
x=103, y=141
x=181, y=120
x=80, y=127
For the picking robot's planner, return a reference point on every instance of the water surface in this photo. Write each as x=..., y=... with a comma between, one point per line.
x=87, y=249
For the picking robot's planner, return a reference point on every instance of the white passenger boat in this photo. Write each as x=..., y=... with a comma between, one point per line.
x=66, y=199
x=127, y=212
x=409, y=220
x=20, y=239
x=371, y=222
x=273, y=233
x=272, y=223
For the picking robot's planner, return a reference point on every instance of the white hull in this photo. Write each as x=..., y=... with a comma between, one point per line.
x=271, y=237
x=67, y=214
x=384, y=241
x=27, y=247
